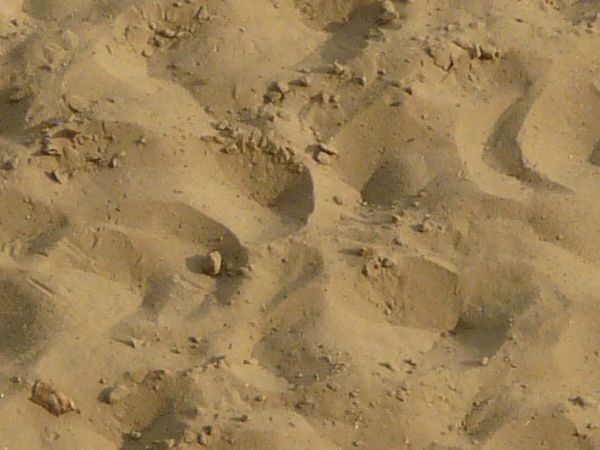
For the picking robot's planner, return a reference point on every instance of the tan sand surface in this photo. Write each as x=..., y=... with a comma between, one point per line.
x=299, y=224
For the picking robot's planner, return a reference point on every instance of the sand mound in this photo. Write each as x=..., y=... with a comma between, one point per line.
x=299, y=224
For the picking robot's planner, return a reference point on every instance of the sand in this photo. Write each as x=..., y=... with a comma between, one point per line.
x=299, y=224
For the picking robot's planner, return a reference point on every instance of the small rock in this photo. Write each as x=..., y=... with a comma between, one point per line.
x=487, y=52
x=76, y=104
x=323, y=97
x=202, y=14
x=169, y=443
x=338, y=69
x=203, y=439
x=387, y=262
x=399, y=395
x=167, y=33
x=579, y=401
x=189, y=436
x=441, y=56
x=53, y=401
x=10, y=164
x=410, y=362
x=323, y=158
x=281, y=87
x=424, y=227
x=217, y=361
x=327, y=149
x=387, y=365
x=485, y=361
x=388, y=12
x=303, y=81
x=117, y=394
x=223, y=125
x=242, y=418
x=59, y=176
x=69, y=40
x=371, y=267
x=251, y=362
x=135, y=435
x=135, y=343
x=137, y=376
x=333, y=387
x=18, y=95
x=282, y=114
x=338, y=200
x=212, y=263
x=245, y=272
x=163, y=445
x=274, y=97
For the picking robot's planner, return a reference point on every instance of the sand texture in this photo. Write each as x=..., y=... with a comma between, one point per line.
x=299, y=224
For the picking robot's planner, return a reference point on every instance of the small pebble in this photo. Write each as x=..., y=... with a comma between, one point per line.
x=117, y=394
x=424, y=227
x=135, y=435
x=338, y=69
x=388, y=12
x=59, y=176
x=302, y=82
x=327, y=149
x=323, y=158
x=203, y=439
x=76, y=104
x=579, y=401
x=212, y=263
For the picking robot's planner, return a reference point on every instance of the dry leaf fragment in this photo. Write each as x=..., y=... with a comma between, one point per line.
x=51, y=400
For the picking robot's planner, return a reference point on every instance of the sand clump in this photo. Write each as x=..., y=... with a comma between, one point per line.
x=299, y=224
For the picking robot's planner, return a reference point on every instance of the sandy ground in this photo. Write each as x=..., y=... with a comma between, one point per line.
x=299, y=224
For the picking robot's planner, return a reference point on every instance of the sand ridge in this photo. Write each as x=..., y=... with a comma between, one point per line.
x=400, y=201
